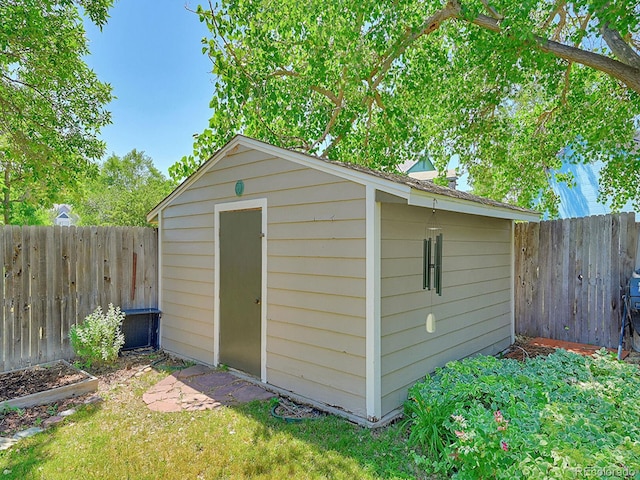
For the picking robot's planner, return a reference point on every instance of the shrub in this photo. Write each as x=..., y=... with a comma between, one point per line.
x=565, y=416
x=98, y=339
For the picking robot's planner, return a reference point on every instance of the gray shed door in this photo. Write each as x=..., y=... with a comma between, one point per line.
x=240, y=289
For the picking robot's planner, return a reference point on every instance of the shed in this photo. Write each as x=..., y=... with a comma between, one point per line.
x=309, y=275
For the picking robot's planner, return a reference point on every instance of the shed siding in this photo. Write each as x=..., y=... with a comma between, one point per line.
x=474, y=312
x=315, y=273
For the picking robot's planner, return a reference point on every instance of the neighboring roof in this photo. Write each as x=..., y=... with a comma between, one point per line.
x=62, y=207
x=423, y=165
x=416, y=192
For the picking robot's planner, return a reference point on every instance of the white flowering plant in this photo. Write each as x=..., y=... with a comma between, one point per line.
x=99, y=338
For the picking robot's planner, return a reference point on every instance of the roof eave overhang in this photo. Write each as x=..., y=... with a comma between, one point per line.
x=421, y=198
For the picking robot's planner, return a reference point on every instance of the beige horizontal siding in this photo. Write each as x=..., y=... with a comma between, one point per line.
x=315, y=277
x=311, y=319
x=321, y=248
x=399, y=381
x=473, y=313
x=322, y=284
x=333, y=267
x=288, y=373
x=337, y=304
x=317, y=336
x=188, y=248
x=185, y=260
x=343, y=210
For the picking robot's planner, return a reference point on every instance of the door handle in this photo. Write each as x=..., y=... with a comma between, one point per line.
x=257, y=301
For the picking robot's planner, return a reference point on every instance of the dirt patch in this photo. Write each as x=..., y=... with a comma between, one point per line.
x=109, y=377
x=290, y=411
x=37, y=379
x=523, y=349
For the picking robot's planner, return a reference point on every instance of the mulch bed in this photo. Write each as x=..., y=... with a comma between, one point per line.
x=37, y=379
x=109, y=376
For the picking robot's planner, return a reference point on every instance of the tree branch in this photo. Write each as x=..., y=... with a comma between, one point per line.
x=332, y=120
x=337, y=101
x=619, y=47
x=430, y=25
x=492, y=11
x=559, y=6
x=25, y=84
x=627, y=74
x=283, y=72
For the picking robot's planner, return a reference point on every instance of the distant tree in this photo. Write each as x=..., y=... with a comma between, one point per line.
x=503, y=85
x=51, y=102
x=123, y=191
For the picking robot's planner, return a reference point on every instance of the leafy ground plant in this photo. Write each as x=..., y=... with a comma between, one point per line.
x=565, y=416
x=99, y=338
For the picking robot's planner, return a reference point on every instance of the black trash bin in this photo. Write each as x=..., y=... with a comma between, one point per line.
x=141, y=327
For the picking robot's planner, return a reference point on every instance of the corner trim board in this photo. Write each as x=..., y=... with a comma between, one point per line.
x=373, y=357
x=159, y=273
x=513, y=281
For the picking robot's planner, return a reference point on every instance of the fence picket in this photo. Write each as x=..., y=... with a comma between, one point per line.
x=582, y=265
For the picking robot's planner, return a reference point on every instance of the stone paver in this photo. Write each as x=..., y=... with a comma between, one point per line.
x=201, y=388
x=6, y=443
x=164, y=406
x=52, y=421
x=209, y=382
x=93, y=399
x=249, y=393
x=192, y=371
x=29, y=432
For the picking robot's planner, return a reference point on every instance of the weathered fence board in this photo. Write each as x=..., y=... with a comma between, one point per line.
x=570, y=276
x=53, y=277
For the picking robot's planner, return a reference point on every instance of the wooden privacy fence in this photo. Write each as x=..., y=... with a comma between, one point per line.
x=570, y=275
x=53, y=277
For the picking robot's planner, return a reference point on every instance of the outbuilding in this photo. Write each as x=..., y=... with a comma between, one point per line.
x=332, y=283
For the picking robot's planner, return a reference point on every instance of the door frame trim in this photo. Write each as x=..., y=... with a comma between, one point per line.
x=258, y=203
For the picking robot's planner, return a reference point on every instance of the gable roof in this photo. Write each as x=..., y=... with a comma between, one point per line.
x=415, y=192
x=422, y=165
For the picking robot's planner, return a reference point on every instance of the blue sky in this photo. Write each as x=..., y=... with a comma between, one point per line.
x=150, y=52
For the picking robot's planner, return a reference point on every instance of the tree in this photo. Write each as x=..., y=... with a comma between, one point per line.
x=505, y=86
x=124, y=190
x=51, y=102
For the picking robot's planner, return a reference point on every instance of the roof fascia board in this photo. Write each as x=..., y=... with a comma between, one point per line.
x=425, y=199
x=220, y=154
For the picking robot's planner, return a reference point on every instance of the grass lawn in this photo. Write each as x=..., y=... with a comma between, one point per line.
x=122, y=439
x=561, y=417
